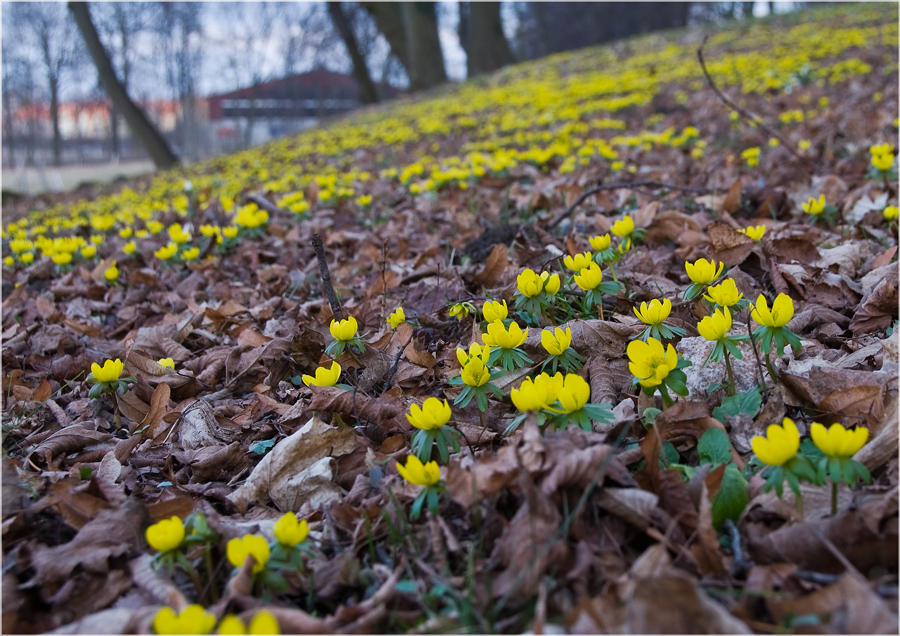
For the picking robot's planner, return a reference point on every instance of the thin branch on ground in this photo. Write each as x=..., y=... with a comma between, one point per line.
x=265, y=204
x=326, y=278
x=739, y=566
x=390, y=376
x=747, y=116
x=647, y=183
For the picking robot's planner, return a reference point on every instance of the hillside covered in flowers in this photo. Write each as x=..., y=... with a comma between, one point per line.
x=604, y=342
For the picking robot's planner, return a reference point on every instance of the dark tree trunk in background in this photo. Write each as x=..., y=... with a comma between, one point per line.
x=553, y=27
x=54, y=119
x=481, y=35
x=143, y=130
x=367, y=92
x=411, y=30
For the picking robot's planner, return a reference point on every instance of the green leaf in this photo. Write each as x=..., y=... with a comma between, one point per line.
x=669, y=455
x=732, y=498
x=714, y=447
x=748, y=402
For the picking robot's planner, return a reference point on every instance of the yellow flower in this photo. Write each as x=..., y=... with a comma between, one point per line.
x=166, y=535
x=781, y=314
x=433, y=414
x=494, y=310
x=529, y=283
x=703, y=272
x=419, y=474
x=476, y=351
x=578, y=262
x=716, y=326
x=250, y=216
x=129, y=247
x=804, y=144
x=537, y=394
x=458, y=311
x=9, y=261
x=837, y=441
x=754, y=231
x=882, y=157
x=324, y=376
x=209, y=230
x=890, y=213
x=397, y=318
x=774, y=143
x=166, y=252
x=344, y=330
x=498, y=336
x=654, y=313
x=813, y=206
x=155, y=227
x=475, y=371
x=289, y=531
x=112, y=273
x=263, y=622
x=249, y=545
x=600, y=243
x=556, y=341
x=230, y=232
x=780, y=444
x=649, y=362
x=126, y=232
x=590, y=277
x=27, y=257
x=178, y=234
x=109, y=372
x=551, y=283
x=190, y=253
x=61, y=258
x=193, y=620
x=89, y=252
x=725, y=294
x=623, y=227
x=364, y=200
x=574, y=393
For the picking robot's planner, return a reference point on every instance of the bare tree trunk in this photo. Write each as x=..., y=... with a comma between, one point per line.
x=411, y=30
x=54, y=119
x=482, y=31
x=143, y=130
x=367, y=92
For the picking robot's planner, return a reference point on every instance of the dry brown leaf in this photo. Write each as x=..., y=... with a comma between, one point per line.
x=198, y=427
x=159, y=405
x=494, y=267
x=732, y=202
x=729, y=246
x=878, y=308
x=298, y=469
x=65, y=442
x=631, y=504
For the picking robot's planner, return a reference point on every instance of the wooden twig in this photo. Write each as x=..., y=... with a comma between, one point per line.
x=390, y=376
x=326, y=277
x=747, y=116
x=264, y=203
x=616, y=186
x=740, y=566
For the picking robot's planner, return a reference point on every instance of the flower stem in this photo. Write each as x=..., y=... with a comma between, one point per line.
x=612, y=270
x=349, y=350
x=800, y=507
x=771, y=369
x=834, y=493
x=730, y=388
x=210, y=572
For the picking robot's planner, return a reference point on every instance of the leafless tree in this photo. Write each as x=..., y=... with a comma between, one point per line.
x=481, y=36
x=343, y=25
x=47, y=30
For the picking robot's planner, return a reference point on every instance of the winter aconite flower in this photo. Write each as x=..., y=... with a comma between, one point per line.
x=551, y=282
x=169, y=363
x=193, y=620
x=654, y=366
x=556, y=341
x=494, y=310
x=815, y=206
x=536, y=394
x=475, y=370
x=419, y=474
x=725, y=294
x=529, y=284
x=397, y=318
x=755, y=232
x=505, y=343
x=716, y=326
x=882, y=156
x=574, y=393
x=62, y=258
x=590, y=277
x=130, y=247
x=578, y=262
x=344, y=330
x=165, y=535
x=263, y=622
x=324, y=376
x=459, y=310
x=166, y=252
x=624, y=227
x=111, y=274
x=190, y=253
x=703, y=272
x=781, y=313
x=433, y=414
x=600, y=243
x=838, y=442
x=178, y=234
x=109, y=372
x=289, y=531
x=654, y=313
x=891, y=213
x=238, y=549
x=780, y=444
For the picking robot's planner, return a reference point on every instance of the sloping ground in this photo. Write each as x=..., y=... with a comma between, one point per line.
x=586, y=503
